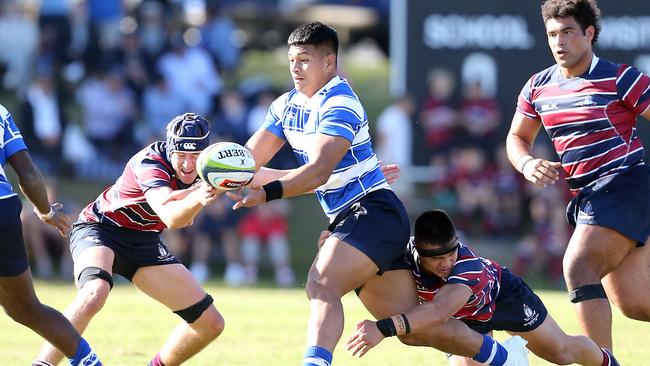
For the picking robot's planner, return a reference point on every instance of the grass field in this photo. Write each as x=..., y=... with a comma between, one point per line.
x=263, y=327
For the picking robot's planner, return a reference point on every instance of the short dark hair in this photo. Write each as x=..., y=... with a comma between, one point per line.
x=434, y=227
x=585, y=12
x=315, y=34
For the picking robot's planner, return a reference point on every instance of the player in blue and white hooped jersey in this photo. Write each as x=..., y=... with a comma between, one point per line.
x=17, y=295
x=326, y=126
x=589, y=108
x=453, y=282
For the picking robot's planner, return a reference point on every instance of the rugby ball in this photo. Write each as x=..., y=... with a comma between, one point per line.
x=226, y=165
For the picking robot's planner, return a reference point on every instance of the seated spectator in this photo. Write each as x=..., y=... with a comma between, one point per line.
x=267, y=224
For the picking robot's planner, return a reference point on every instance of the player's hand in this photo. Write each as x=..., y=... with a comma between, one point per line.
x=541, y=172
x=365, y=337
x=391, y=171
x=206, y=194
x=323, y=236
x=60, y=220
x=248, y=197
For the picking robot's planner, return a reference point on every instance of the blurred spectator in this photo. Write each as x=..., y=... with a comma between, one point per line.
x=394, y=132
x=395, y=139
x=191, y=74
x=43, y=121
x=267, y=224
x=543, y=248
x=44, y=243
x=19, y=40
x=480, y=116
x=55, y=27
x=438, y=117
x=160, y=105
x=153, y=35
x=473, y=185
x=136, y=63
x=231, y=122
x=217, y=225
x=506, y=218
x=219, y=35
x=107, y=105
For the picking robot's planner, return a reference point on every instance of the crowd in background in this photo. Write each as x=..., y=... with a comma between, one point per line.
x=94, y=81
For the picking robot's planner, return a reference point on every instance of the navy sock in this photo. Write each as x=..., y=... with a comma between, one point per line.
x=491, y=352
x=84, y=355
x=317, y=356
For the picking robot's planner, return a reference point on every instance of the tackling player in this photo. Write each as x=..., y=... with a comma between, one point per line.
x=453, y=282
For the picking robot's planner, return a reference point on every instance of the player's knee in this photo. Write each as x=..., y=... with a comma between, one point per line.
x=317, y=290
x=636, y=311
x=23, y=313
x=210, y=325
x=578, y=271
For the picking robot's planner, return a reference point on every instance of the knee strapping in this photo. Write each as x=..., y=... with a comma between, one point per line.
x=91, y=273
x=191, y=313
x=587, y=292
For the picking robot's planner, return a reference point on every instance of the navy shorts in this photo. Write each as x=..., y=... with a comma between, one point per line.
x=13, y=257
x=622, y=204
x=133, y=249
x=378, y=226
x=518, y=309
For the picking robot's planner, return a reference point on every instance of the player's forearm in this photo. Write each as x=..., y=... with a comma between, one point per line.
x=33, y=187
x=518, y=150
x=304, y=180
x=267, y=175
x=181, y=213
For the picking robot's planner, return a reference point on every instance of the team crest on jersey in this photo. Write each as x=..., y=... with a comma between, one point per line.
x=530, y=316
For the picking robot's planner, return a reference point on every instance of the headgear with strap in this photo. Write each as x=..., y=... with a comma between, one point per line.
x=187, y=132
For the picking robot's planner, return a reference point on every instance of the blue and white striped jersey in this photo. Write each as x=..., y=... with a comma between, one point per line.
x=336, y=111
x=10, y=143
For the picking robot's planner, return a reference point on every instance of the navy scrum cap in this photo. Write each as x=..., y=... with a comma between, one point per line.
x=187, y=132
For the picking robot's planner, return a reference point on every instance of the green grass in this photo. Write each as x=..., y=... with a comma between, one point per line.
x=264, y=326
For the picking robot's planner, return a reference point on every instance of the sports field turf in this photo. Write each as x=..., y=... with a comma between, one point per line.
x=264, y=327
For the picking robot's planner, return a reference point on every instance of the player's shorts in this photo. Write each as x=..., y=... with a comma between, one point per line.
x=133, y=249
x=622, y=204
x=518, y=309
x=378, y=226
x=13, y=257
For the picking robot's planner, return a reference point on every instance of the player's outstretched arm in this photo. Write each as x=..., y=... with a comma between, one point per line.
x=177, y=213
x=519, y=144
x=32, y=185
x=329, y=151
x=447, y=302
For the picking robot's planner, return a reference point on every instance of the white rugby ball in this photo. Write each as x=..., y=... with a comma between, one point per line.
x=226, y=165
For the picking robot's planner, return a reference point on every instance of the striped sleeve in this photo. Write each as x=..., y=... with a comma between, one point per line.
x=273, y=119
x=150, y=173
x=633, y=88
x=13, y=140
x=342, y=115
x=468, y=272
x=524, y=101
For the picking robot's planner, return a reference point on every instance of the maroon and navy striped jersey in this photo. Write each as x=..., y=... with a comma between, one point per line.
x=123, y=204
x=591, y=119
x=479, y=274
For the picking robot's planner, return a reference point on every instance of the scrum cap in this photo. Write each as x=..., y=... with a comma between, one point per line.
x=187, y=132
